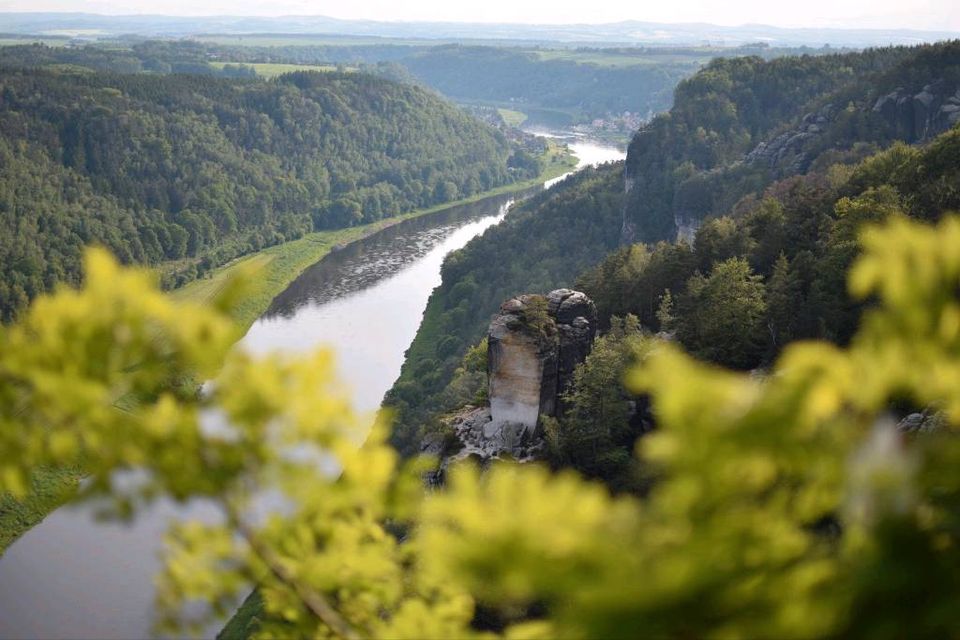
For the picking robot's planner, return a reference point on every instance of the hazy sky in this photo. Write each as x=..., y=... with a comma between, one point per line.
x=916, y=14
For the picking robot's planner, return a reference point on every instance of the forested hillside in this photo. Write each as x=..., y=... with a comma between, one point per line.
x=789, y=251
x=151, y=57
x=768, y=269
x=742, y=123
x=773, y=273
x=770, y=274
x=195, y=170
x=557, y=87
x=543, y=244
x=523, y=79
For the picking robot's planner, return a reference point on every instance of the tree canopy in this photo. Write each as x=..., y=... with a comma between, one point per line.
x=193, y=171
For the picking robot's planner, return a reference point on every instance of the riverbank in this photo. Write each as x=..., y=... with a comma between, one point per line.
x=275, y=268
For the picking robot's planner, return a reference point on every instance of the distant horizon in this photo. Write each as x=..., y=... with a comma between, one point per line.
x=860, y=15
x=405, y=21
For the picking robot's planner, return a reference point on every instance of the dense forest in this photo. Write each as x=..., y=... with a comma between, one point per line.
x=769, y=270
x=742, y=123
x=751, y=284
x=194, y=171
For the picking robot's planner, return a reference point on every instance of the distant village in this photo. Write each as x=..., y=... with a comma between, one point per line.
x=625, y=123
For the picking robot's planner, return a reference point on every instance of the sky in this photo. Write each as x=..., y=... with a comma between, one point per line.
x=883, y=14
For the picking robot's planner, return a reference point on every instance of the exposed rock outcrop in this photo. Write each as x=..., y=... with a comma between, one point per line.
x=928, y=421
x=912, y=114
x=920, y=116
x=914, y=117
x=787, y=152
x=523, y=345
x=534, y=346
x=575, y=315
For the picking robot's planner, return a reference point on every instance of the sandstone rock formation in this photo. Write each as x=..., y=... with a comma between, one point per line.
x=576, y=318
x=787, y=152
x=521, y=364
x=929, y=421
x=535, y=344
x=918, y=117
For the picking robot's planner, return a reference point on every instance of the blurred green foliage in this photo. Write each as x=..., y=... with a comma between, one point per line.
x=784, y=506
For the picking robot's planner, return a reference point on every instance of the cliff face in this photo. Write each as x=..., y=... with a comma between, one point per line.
x=535, y=344
x=923, y=115
x=521, y=365
x=737, y=127
x=576, y=318
x=910, y=116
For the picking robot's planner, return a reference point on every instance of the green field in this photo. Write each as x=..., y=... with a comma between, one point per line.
x=512, y=118
x=274, y=69
x=49, y=489
x=46, y=41
x=628, y=57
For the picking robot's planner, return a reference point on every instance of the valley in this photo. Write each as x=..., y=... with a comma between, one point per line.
x=363, y=300
x=313, y=326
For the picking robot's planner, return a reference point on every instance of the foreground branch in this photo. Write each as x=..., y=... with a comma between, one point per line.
x=314, y=601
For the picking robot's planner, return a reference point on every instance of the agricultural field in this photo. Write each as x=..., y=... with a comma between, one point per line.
x=512, y=118
x=274, y=69
x=630, y=57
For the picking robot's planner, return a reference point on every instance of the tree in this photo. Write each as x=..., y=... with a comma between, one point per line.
x=594, y=435
x=720, y=316
x=665, y=317
x=784, y=297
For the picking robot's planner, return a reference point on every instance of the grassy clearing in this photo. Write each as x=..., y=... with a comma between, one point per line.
x=49, y=489
x=424, y=343
x=627, y=57
x=8, y=41
x=274, y=69
x=512, y=118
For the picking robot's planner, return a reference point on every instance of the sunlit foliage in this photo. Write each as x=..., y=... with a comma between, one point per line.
x=786, y=506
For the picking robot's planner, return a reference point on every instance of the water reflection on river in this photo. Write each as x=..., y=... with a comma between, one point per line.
x=366, y=300
x=74, y=577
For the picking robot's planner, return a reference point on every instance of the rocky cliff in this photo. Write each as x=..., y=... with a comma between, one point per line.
x=735, y=130
x=908, y=116
x=923, y=115
x=534, y=346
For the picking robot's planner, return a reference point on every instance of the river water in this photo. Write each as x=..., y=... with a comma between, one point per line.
x=74, y=577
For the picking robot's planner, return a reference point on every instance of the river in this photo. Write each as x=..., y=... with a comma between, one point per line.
x=75, y=577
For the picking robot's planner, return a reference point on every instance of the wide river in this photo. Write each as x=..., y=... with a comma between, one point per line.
x=74, y=577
